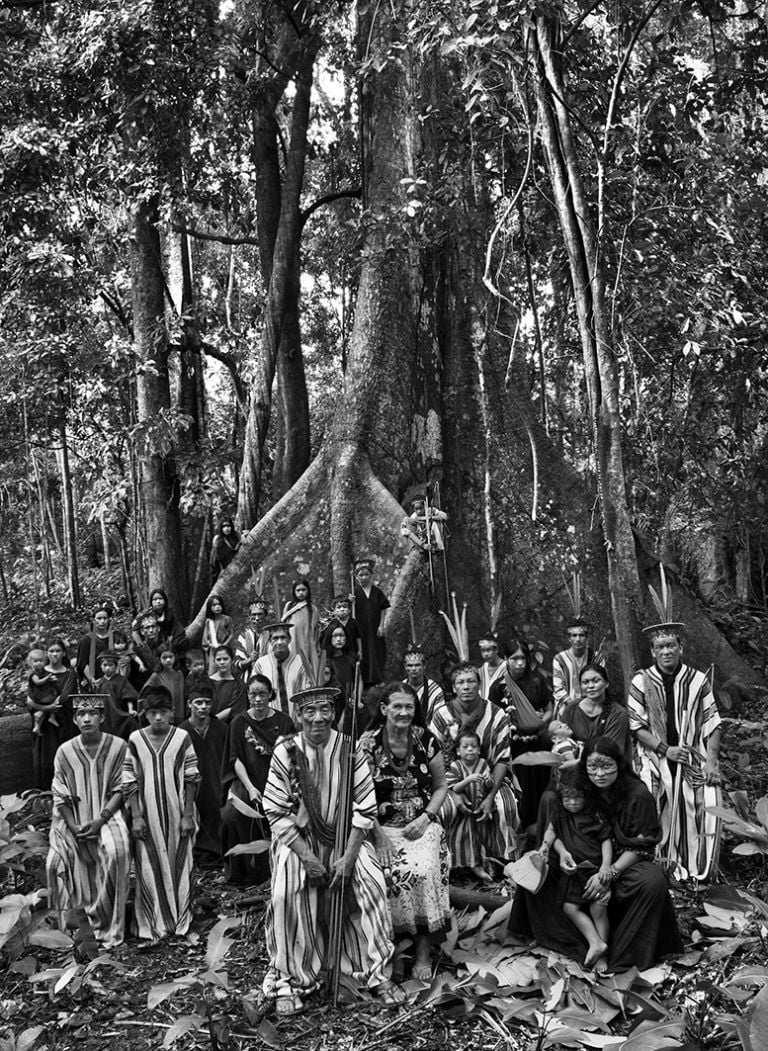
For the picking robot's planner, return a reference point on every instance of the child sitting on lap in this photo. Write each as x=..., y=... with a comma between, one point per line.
x=582, y=841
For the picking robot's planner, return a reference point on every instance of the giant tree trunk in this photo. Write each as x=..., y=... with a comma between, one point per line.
x=588, y=276
x=425, y=400
x=159, y=482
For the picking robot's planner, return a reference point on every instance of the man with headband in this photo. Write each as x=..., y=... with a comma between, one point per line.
x=301, y=802
x=89, y=856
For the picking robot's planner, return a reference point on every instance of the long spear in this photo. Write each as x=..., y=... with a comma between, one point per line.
x=343, y=828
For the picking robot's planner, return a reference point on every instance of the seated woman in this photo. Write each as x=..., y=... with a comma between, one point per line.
x=409, y=780
x=595, y=715
x=246, y=766
x=641, y=916
x=229, y=694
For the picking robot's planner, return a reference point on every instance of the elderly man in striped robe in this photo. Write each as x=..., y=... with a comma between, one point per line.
x=90, y=853
x=301, y=801
x=674, y=719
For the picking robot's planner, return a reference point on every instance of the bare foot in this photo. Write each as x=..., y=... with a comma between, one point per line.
x=595, y=952
x=601, y=965
x=481, y=874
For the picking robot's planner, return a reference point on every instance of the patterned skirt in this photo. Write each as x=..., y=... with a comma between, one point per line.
x=418, y=890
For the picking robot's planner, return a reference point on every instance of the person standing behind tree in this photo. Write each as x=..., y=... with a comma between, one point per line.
x=90, y=854
x=225, y=546
x=675, y=722
x=371, y=605
x=568, y=664
x=160, y=779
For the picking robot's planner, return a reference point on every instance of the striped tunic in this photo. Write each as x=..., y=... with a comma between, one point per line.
x=430, y=694
x=492, y=727
x=163, y=859
x=91, y=873
x=689, y=834
x=295, y=928
x=566, y=685
x=489, y=675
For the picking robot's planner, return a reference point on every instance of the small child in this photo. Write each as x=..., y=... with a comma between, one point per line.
x=582, y=841
x=197, y=674
x=172, y=680
x=563, y=742
x=121, y=706
x=469, y=781
x=342, y=617
x=41, y=690
x=217, y=630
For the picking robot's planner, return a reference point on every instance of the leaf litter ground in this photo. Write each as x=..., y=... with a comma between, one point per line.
x=485, y=994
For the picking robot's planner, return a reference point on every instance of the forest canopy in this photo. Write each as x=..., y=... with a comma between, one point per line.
x=295, y=261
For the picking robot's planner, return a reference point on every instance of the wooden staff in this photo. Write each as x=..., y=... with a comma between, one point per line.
x=343, y=829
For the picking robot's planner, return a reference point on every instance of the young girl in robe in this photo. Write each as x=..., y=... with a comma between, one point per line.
x=217, y=630
x=469, y=781
x=303, y=614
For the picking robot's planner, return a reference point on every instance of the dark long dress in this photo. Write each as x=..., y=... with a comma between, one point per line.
x=229, y=693
x=368, y=612
x=533, y=780
x=252, y=742
x=101, y=645
x=45, y=744
x=642, y=920
x=211, y=751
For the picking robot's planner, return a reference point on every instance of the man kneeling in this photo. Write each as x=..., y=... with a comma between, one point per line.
x=301, y=802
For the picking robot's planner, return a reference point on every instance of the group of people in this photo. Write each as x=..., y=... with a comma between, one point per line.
x=454, y=775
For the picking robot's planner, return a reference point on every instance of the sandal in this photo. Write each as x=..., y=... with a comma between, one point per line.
x=422, y=972
x=287, y=1006
x=390, y=994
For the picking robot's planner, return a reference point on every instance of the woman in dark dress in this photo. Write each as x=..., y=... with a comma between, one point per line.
x=643, y=927
x=225, y=546
x=90, y=648
x=596, y=715
x=528, y=728
x=251, y=741
x=230, y=697
x=45, y=744
x=370, y=604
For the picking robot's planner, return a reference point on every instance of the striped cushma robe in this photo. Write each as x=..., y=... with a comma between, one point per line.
x=566, y=686
x=296, y=932
x=163, y=860
x=91, y=873
x=489, y=675
x=689, y=834
x=492, y=727
x=430, y=694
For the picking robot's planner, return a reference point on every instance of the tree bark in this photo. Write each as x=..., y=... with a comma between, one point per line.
x=283, y=286
x=159, y=483
x=588, y=276
x=68, y=507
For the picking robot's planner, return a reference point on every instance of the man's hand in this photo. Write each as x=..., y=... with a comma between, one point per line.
x=342, y=869
x=186, y=826
x=677, y=754
x=712, y=772
x=593, y=889
x=139, y=827
x=485, y=811
x=384, y=849
x=90, y=830
x=317, y=874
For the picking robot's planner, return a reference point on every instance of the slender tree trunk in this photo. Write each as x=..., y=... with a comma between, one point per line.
x=587, y=269
x=280, y=286
x=68, y=507
x=159, y=482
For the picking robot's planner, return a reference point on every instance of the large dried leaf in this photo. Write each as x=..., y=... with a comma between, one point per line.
x=655, y=1036
x=182, y=1026
x=256, y=846
x=758, y=1024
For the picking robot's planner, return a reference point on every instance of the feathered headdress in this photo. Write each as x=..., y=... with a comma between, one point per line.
x=663, y=604
x=574, y=594
x=457, y=628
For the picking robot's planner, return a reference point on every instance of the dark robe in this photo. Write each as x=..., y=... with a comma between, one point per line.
x=350, y=629
x=229, y=693
x=533, y=780
x=84, y=654
x=211, y=752
x=252, y=742
x=117, y=719
x=368, y=613
x=45, y=744
x=643, y=927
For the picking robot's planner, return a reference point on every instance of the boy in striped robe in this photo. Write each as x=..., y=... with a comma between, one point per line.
x=89, y=855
